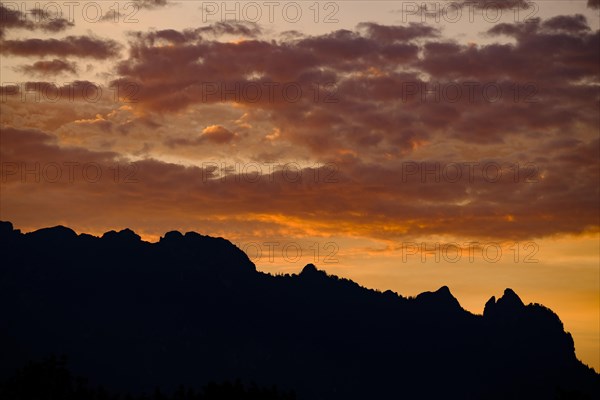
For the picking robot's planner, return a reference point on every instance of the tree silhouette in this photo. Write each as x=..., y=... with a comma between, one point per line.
x=51, y=379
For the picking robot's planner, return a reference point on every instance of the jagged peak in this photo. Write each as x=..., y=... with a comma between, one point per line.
x=55, y=232
x=171, y=236
x=193, y=235
x=440, y=296
x=509, y=303
x=489, y=305
x=510, y=299
x=309, y=269
x=123, y=235
x=6, y=227
x=444, y=290
x=7, y=230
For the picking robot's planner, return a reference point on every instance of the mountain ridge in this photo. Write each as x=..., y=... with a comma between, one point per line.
x=198, y=304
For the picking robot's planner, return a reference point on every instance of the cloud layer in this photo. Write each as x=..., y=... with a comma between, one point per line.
x=391, y=113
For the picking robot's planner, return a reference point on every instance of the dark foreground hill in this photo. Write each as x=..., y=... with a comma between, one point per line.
x=192, y=309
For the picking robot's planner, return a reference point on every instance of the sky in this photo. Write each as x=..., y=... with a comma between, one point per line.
x=404, y=145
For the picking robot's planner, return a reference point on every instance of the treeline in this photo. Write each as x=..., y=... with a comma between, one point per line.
x=51, y=379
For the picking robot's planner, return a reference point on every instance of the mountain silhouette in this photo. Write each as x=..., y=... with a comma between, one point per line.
x=192, y=309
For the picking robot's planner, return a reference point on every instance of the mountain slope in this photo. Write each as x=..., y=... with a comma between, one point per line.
x=191, y=308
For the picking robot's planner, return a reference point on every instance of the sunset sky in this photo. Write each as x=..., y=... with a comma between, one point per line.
x=401, y=147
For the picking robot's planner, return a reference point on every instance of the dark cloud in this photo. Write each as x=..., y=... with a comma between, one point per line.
x=48, y=22
x=36, y=19
x=168, y=35
x=51, y=67
x=238, y=28
x=435, y=10
x=76, y=90
x=398, y=33
x=134, y=6
x=33, y=145
x=556, y=26
x=567, y=23
x=11, y=18
x=190, y=36
x=559, y=49
x=75, y=46
x=9, y=90
x=152, y=4
x=497, y=4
